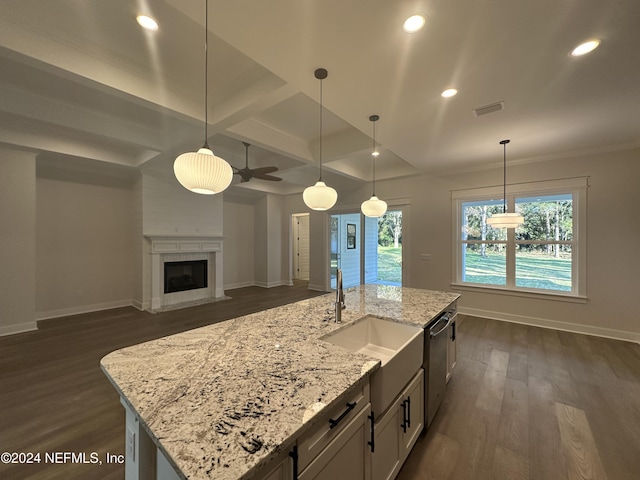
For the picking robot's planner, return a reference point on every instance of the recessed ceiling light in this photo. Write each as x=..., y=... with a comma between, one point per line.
x=414, y=23
x=147, y=23
x=585, y=48
x=450, y=92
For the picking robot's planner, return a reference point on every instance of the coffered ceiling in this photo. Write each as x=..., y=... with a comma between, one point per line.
x=80, y=80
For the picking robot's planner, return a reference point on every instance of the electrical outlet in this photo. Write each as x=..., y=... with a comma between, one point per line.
x=131, y=444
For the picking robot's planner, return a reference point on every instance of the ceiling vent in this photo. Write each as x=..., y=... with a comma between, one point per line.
x=494, y=107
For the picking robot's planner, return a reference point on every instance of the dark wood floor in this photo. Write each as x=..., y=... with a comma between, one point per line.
x=523, y=402
x=55, y=398
x=532, y=403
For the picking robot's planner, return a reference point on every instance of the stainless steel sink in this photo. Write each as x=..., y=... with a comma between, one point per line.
x=398, y=346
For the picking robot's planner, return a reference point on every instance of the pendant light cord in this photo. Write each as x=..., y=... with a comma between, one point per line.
x=373, y=159
x=373, y=119
x=206, y=70
x=504, y=174
x=320, y=131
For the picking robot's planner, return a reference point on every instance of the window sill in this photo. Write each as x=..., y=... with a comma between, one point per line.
x=558, y=297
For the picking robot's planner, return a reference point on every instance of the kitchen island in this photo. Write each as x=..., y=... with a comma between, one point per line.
x=224, y=401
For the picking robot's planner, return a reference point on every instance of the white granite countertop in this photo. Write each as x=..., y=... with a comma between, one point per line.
x=224, y=399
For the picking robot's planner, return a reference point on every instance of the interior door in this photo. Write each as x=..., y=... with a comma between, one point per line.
x=301, y=247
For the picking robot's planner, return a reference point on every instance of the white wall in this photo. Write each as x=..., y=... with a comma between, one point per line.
x=613, y=233
x=169, y=209
x=17, y=241
x=270, y=236
x=84, y=243
x=238, y=245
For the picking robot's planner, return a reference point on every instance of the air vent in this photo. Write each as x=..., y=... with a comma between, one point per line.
x=494, y=107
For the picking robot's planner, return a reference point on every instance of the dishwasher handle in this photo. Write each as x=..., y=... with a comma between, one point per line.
x=448, y=319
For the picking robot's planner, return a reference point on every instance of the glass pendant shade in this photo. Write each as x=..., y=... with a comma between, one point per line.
x=320, y=196
x=505, y=220
x=202, y=172
x=374, y=207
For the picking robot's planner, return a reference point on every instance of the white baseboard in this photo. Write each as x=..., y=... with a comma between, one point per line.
x=231, y=286
x=139, y=305
x=64, y=312
x=276, y=283
x=18, y=328
x=317, y=288
x=553, y=324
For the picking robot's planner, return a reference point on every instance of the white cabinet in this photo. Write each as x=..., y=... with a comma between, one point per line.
x=337, y=445
x=282, y=468
x=451, y=348
x=386, y=457
x=396, y=432
x=347, y=455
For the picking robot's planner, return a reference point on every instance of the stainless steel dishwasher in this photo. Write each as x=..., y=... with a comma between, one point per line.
x=436, y=345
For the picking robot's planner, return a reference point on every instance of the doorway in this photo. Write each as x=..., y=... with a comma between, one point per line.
x=300, y=230
x=383, y=263
x=367, y=250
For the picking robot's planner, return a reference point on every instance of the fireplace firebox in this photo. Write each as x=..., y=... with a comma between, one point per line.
x=185, y=275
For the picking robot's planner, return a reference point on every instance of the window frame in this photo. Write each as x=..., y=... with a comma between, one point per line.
x=577, y=187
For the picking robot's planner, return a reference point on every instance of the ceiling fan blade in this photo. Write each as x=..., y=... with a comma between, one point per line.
x=267, y=177
x=263, y=170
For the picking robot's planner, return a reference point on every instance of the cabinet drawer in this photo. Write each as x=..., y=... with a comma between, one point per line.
x=330, y=424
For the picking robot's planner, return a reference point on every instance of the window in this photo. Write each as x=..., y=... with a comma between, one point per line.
x=545, y=255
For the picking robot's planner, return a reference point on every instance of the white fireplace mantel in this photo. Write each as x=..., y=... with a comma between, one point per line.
x=168, y=248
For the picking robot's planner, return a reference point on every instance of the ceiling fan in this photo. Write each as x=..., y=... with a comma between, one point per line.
x=261, y=173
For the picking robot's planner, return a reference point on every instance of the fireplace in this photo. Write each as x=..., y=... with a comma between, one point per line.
x=186, y=275
x=184, y=271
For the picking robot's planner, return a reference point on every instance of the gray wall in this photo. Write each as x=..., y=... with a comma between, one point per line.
x=613, y=229
x=84, y=242
x=17, y=241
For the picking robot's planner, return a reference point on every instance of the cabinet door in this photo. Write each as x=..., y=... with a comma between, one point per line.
x=386, y=459
x=414, y=407
x=347, y=456
x=283, y=469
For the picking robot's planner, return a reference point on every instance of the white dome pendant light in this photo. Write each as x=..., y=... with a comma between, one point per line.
x=374, y=207
x=320, y=196
x=202, y=171
x=504, y=219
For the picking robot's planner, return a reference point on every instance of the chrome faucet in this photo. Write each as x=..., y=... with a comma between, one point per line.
x=339, y=305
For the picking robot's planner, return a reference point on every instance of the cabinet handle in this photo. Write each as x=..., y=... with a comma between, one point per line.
x=453, y=331
x=294, y=455
x=334, y=423
x=404, y=416
x=372, y=442
x=409, y=412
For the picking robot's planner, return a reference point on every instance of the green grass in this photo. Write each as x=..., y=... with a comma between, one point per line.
x=532, y=271
x=389, y=264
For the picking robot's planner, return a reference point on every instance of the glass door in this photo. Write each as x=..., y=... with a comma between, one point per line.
x=383, y=249
x=368, y=250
